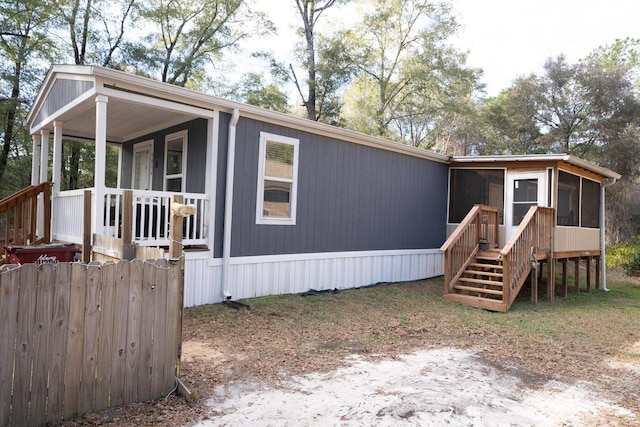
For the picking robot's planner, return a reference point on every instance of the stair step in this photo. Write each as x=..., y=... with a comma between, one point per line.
x=491, y=253
x=481, y=281
x=484, y=273
x=478, y=290
x=489, y=258
x=478, y=302
x=483, y=265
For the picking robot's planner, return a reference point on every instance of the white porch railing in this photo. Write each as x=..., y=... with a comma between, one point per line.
x=66, y=216
x=150, y=216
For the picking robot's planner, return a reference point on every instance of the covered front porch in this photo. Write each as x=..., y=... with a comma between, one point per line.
x=151, y=133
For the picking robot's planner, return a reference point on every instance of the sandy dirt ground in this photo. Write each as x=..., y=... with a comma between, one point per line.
x=437, y=387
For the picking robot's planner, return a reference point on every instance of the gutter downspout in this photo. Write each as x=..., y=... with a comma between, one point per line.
x=228, y=204
x=603, y=261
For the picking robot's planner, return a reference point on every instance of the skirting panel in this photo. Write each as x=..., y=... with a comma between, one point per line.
x=286, y=274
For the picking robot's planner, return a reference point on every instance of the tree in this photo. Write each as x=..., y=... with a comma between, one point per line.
x=435, y=112
x=572, y=108
x=410, y=82
x=96, y=29
x=187, y=36
x=23, y=45
x=254, y=91
x=323, y=60
x=507, y=124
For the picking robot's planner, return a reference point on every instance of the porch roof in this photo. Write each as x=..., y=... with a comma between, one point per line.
x=573, y=160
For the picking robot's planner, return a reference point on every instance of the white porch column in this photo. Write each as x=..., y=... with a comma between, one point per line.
x=57, y=156
x=100, y=162
x=44, y=156
x=44, y=175
x=35, y=159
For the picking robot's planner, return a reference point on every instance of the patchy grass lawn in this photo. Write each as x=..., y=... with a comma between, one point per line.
x=588, y=336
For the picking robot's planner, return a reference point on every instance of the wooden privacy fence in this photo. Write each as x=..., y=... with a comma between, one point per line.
x=78, y=338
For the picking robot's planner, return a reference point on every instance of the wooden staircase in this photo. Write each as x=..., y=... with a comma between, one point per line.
x=481, y=283
x=19, y=218
x=491, y=278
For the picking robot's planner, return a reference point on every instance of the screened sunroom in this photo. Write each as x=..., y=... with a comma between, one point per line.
x=511, y=184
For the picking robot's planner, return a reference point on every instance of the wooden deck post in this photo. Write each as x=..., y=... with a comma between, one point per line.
x=175, y=230
x=576, y=267
x=551, y=278
x=128, y=248
x=176, y=262
x=588, y=260
x=534, y=282
x=86, y=227
x=564, y=278
x=598, y=259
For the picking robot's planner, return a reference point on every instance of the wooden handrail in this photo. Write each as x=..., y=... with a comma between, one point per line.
x=24, y=194
x=463, y=244
x=533, y=236
x=19, y=216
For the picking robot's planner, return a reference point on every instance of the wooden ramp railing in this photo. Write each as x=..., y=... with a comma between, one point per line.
x=491, y=278
x=19, y=216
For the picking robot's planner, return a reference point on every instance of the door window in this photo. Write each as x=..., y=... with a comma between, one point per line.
x=525, y=195
x=175, y=161
x=142, y=165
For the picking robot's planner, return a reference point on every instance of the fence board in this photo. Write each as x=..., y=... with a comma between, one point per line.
x=174, y=325
x=61, y=297
x=91, y=339
x=119, y=352
x=107, y=312
x=42, y=329
x=80, y=338
x=9, y=288
x=73, y=356
x=159, y=328
x=22, y=372
x=133, y=331
x=148, y=308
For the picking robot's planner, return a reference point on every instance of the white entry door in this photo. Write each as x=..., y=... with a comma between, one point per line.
x=523, y=191
x=142, y=166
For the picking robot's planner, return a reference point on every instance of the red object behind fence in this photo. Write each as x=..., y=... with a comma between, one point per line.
x=51, y=253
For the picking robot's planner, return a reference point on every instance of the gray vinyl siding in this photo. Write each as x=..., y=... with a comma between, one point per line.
x=350, y=198
x=63, y=92
x=196, y=156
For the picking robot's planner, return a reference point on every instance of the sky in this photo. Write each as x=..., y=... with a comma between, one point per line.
x=512, y=38
x=505, y=38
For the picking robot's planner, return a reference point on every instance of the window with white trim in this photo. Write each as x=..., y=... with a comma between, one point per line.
x=277, y=180
x=175, y=161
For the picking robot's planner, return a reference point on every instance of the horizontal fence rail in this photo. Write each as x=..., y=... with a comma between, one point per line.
x=80, y=338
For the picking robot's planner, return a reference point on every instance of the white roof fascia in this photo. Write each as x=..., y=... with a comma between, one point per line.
x=143, y=85
x=78, y=72
x=576, y=161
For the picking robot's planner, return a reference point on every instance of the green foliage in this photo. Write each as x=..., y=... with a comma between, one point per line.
x=411, y=85
x=626, y=256
x=323, y=58
x=253, y=90
x=186, y=36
